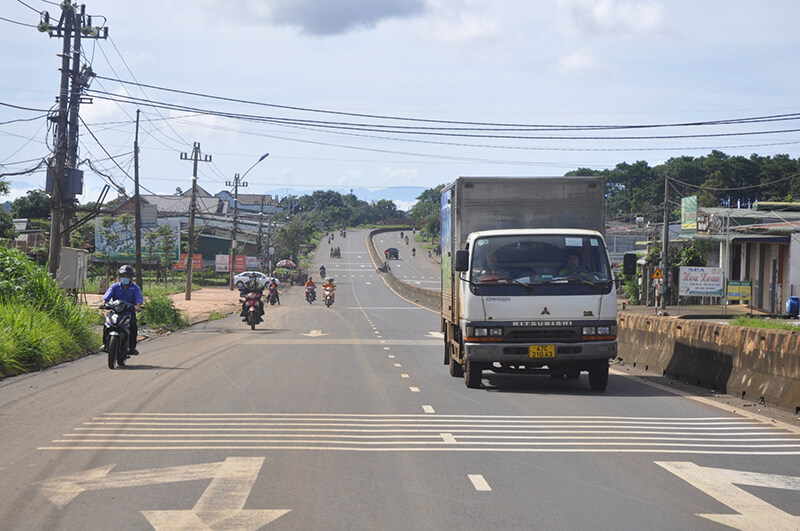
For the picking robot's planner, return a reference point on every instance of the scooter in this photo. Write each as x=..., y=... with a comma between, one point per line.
x=311, y=295
x=117, y=330
x=383, y=268
x=252, y=302
x=414, y=251
x=328, y=297
x=273, y=296
x=322, y=272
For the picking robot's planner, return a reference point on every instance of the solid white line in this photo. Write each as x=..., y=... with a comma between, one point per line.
x=479, y=482
x=428, y=409
x=500, y=417
x=606, y=434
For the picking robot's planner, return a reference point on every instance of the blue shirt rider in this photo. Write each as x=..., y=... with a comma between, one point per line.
x=126, y=290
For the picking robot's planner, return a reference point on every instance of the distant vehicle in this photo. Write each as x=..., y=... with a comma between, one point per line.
x=392, y=253
x=244, y=277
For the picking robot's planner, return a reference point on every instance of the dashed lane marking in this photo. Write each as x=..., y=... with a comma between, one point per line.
x=479, y=482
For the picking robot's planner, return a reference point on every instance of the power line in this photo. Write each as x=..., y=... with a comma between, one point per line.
x=18, y=23
x=690, y=185
x=757, y=119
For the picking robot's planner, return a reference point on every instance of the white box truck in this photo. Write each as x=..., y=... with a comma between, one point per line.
x=527, y=284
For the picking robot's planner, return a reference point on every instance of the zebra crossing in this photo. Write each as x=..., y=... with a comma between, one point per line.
x=428, y=433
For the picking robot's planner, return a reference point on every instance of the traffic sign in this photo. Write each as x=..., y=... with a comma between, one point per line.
x=657, y=275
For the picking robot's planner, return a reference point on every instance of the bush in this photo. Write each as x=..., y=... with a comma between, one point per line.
x=39, y=325
x=159, y=312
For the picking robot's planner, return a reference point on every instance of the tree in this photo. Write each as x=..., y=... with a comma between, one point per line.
x=427, y=209
x=6, y=225
x=34, y=205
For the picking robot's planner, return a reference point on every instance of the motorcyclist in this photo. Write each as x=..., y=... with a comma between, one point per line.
x=330, y=285
x=310, y=285
x=126, y=290
x=252, y=286
x=273, y=285
x=413, y=251
x=322, y=271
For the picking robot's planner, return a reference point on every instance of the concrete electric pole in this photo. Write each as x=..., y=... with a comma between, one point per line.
x=195, y=158
x=237, y=182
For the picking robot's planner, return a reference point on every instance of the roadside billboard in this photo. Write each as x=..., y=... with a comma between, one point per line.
x=700, y=281
x=197, y=262
x=118, y=242
x=739, y=290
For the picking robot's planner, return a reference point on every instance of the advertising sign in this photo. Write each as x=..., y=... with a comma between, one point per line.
x=739, y=290
x=689, y=214
x=701, y=281
x=254, y=262
x=197, y=262
x=222, y=263
x=118, y=242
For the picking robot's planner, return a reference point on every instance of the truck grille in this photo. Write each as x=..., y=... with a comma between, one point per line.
x=549, y=335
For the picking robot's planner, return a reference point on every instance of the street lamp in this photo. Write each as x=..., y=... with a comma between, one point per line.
x=237, y=181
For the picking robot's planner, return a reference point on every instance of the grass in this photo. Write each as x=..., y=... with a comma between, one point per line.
x=159, y=312
x=216, y=316
x=39, y=325
x=755, y=322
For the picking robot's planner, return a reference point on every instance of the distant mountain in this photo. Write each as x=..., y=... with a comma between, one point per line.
x=6, y=206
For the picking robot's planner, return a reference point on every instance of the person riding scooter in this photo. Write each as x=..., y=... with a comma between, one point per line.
x=331, y=286
x=311, y=288
x=273, y=291
x=322, y=272
x=129, y=292
x=252, y=286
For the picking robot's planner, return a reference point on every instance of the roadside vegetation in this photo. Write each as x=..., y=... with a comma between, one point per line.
x=39, y=325
x=756, y=322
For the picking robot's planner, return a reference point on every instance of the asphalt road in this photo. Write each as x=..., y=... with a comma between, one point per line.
x=419, y=270
x=346, y=418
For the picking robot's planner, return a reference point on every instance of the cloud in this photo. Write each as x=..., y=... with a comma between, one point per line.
x=580, y=63
x=333, y=17
x=614, y=18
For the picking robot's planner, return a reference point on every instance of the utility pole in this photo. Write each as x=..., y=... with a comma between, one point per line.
x=665, y=245
x=138, y=203
x=195, y=158
x=237, y=182
x=56, y=208
x=259, y=243
x=62, y=171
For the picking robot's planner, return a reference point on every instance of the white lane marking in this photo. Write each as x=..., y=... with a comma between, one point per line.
x=377, y=332
x=438, y=335
x=448, y=438
x=387, y=348
x=428, y=409
x=404, y=376
x=222, y=504
x=391, y=356
x=731, y=409
x=479, y=482
x=720, y=483
x=315, y=333
x=414, y=389
x=397, y=365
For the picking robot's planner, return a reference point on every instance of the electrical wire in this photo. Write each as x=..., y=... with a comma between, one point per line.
x=18, y=23
x=23, y=108
x=28, y=6
x=700, y=186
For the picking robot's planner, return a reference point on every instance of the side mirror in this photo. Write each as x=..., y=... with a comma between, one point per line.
x=462, y=260
x=629, y=264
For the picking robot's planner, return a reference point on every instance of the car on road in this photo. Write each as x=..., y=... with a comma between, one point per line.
x=392, y=253
x=242, y=278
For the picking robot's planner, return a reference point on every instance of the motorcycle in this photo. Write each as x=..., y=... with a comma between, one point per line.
x=117, y=331
x=414, y=251
x=328, y=297
x=311, y=295
x=322, y=272
x=383, y=268
x=251, y=304
x=406, y=240
x=273, y=296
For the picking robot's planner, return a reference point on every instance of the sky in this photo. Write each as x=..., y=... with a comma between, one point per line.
x=397, y=96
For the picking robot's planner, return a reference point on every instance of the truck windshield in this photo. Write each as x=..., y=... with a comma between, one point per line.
x=540, y=259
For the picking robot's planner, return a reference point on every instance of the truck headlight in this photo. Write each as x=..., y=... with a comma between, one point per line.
x=589, y=330
x=603, y=330
x=481, y=332
x=496, y=332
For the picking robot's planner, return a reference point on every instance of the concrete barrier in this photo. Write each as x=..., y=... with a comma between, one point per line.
x=430, y=298
x=752, y=362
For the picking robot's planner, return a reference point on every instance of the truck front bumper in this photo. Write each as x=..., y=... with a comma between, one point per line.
x=518, y=353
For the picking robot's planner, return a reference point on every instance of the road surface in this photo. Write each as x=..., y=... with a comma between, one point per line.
x=346, y=418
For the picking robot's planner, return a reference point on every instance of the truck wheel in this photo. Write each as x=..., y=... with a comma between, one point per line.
x=598, y=375
x=472, y=374
x=456, y=369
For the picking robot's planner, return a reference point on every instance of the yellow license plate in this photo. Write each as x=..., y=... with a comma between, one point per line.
x=542, y=351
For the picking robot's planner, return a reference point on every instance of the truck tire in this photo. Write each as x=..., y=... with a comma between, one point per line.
x=472, y=374
x=456, y=369
x=598, y=375
x=446, y=352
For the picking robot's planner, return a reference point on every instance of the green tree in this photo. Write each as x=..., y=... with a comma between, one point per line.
x=426, y=210
x=6, y=225
x=33, y=205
